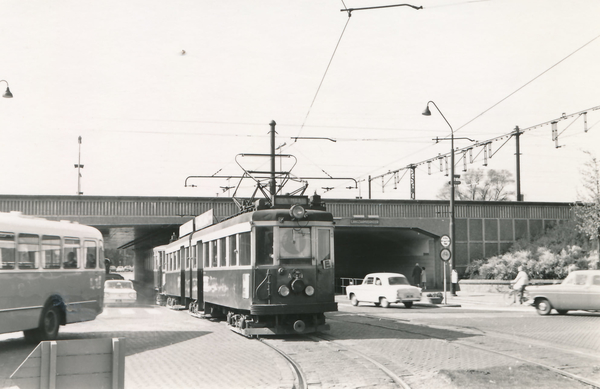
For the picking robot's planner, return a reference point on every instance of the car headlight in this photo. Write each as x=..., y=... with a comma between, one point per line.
x=309, y=290
x=284, y=291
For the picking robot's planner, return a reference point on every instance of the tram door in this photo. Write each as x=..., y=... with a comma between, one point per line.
x=199, y=275
x=184, y=259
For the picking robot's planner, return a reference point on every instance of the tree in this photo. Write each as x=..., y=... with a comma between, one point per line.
x=475, y=185
x=587, y=213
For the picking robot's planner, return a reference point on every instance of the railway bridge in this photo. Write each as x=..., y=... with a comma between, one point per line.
x=370, y=235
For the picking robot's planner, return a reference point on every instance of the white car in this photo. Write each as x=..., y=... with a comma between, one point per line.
x=384, y=289
x=119, y=292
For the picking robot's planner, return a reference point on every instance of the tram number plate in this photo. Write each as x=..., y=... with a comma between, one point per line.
x=327, y=264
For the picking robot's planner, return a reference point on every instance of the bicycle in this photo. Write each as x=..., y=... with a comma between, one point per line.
x=511, y=296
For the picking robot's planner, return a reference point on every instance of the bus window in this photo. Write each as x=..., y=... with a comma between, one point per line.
x=90, y=254
x=223, y=251
x=51, y=258
x=7, y=250
x=264, y=245
x=101, y=255
x=28, y=249
x=233, y=252
x=245, y=249
x=72, y=247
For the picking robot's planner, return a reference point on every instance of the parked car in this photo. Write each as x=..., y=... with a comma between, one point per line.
x=579, y=291
x=113, y=269
x=384, y=289
x=128, y=268
x=119, y=292
x=120, y=269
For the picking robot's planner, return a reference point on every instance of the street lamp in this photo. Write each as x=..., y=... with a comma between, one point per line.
x=427, y=112
x=7, y=94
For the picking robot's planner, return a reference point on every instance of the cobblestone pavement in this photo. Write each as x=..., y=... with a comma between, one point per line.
x=179, y=351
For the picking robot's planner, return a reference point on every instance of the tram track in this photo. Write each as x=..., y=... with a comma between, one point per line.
x=317, y=361
x=489, y=344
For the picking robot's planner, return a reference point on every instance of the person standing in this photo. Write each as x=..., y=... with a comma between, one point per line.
x=423, y=279
x=454, y=280
x=416, y=274
x=520, y=282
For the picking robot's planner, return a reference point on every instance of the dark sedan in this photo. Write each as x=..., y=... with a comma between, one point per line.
x=579, y=291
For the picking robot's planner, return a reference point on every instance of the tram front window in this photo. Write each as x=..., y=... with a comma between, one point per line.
x=264, y=245
x=295, y=246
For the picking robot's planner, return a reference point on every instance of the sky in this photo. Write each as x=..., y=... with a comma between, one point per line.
x=162, y=91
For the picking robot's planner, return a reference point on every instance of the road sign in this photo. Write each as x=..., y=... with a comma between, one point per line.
x=445, y=240
x=445, y=255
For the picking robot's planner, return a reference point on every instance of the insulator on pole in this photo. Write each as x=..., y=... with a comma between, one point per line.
x=446, y=161
x=441, y=166
x=485, y=162
x=554, y=131
x=585, y=127
x=464, y=161
x=471, y=155
x=429, y=167
x=490, y=149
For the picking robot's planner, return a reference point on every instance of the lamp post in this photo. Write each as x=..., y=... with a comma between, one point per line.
x=7, y=94
x=427, y=112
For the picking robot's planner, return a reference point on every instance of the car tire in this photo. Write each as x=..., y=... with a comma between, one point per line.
x=354, y=300
x=562, y=311
x=408, y=304
x=384, y=302
x=543, y=307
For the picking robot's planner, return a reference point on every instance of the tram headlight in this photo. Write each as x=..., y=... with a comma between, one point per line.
x=297, y=212
x=309, y=290
x=284, y=291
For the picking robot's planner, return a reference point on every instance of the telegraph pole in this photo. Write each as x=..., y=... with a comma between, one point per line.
x=79, y=166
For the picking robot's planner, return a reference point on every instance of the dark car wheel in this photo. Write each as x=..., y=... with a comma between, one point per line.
x=543, y=307
x=408, y=304
x=48, y=329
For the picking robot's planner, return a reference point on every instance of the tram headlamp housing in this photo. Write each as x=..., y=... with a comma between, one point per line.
x=309, y=290
x=297, y=212
x=284, y=291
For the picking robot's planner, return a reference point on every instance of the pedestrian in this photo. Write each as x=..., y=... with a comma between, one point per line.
x=416, y=274
x=424, y=279
x=520, y=282
x=454, y=280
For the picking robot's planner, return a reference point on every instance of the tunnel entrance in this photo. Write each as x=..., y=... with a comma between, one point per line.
x=362, y=250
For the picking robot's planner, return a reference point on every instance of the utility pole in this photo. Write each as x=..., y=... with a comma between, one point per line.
x=79, y=166
x=518, y=168
x=273, y=183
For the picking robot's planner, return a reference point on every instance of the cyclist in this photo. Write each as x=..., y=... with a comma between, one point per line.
x=520, y=282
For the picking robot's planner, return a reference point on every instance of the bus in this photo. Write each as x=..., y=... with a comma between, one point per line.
x=51, y=274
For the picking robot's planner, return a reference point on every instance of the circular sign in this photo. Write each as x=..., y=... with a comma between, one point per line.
x=445, y=255
x=445, y=240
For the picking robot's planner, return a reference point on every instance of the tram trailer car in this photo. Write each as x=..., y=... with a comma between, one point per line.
x=268, y=271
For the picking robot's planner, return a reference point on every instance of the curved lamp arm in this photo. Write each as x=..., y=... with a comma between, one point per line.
x=7, y=94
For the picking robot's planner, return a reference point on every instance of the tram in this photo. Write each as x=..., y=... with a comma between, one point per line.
x=51, y=274
x=268, y=270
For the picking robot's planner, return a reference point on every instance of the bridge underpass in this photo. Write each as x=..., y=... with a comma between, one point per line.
x=370, y=235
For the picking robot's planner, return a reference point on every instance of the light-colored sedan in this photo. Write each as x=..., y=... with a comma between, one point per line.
x=119, y=292
x=383, y=289
x=579, y=291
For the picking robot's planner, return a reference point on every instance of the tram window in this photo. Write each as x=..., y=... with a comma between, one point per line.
x=233, y=252
x=28, y=249
x=7, y=250
x=194, y=258
x=245, y=249
x=223, y=251
x=295, y=246
x=264, y=245
x=206, y=255
x=213, y=253
x=324, y=245
x=187, y=257
x=90, y=254
x=72, y=247
x=51, y=252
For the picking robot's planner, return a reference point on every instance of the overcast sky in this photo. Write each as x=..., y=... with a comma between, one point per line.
x=160, y=91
